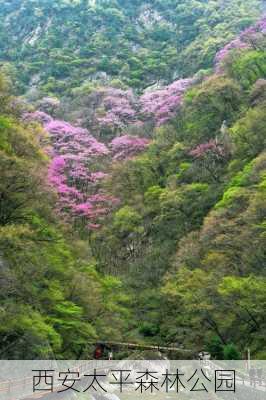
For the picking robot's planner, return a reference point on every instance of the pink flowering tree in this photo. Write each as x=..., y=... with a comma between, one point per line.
x=161, y=105
x=118, y=109
x=222, y=55
x=126, y=146
x=73, y=171
x=204, y=149
x=210, y=158
x=38, y=116
x=244, y=41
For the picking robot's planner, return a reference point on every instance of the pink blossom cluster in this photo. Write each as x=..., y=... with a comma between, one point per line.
x=75, y=141
x=261, y=25
x=76, y=154
x=72, y=170
x=127, y=146
x=211, y=147
x=162, y=104
x=38, y=116
x=114, y=109
x=234, y=44
x=241, y=42
x=119, y=108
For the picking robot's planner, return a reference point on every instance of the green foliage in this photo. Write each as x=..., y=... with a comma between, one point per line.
x=231, y=353
x=148, y=329
x=215, y=348
x=249, y=132
x=208, y=105
x=249, y=67
x=127, y=222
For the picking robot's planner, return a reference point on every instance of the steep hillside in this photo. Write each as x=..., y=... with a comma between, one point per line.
x=57, y=45
x=51, y=295
x=189, y=236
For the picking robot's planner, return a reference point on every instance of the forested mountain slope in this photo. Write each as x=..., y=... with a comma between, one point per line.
x=190, y=236
x=57, y=45
x=51, y=295
x=127, y=214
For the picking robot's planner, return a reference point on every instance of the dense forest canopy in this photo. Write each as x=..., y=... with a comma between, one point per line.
x=57, y=45
x=132, y=185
